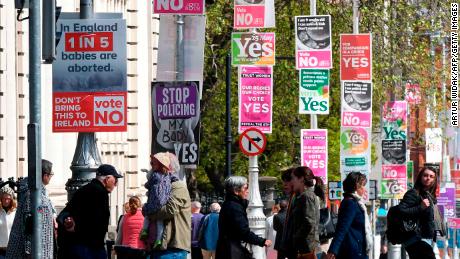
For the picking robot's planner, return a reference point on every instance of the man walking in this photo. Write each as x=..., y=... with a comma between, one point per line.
x=85, y=219
x=196, y=225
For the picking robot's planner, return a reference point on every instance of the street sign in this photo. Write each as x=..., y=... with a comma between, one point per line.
x=372, y=190
x=335, y=190
x=252, y=142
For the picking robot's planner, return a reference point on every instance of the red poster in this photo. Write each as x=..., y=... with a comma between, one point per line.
x=89, y=111
x=355, y=57
x=456, y=179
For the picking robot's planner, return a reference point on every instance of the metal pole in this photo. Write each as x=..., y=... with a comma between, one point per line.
x=228, y=128
x=33, y=129
x=180, y=64
x=255, y=210
x=86, y=158
x=355, y=16
x=313, y=117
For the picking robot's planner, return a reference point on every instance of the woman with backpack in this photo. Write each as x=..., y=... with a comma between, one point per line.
x=353, y=235
x=419, y=205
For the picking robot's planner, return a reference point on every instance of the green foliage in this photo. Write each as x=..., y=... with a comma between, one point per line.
x=400, y=52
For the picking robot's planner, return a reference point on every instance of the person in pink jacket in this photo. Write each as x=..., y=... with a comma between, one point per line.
x=130, y=229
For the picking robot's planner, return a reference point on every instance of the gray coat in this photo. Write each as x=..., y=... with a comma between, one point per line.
x=305, y=222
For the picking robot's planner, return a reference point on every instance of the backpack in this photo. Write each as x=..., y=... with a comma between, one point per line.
x=327, y=224
x=399, y=229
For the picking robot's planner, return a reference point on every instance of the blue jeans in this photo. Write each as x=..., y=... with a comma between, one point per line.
x=170, y=254
x=85, y=252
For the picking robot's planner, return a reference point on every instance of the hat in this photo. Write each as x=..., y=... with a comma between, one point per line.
x=7, y=190
x=106, y=169
x=163, y=158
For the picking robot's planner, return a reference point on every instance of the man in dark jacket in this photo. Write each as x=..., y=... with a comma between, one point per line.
x=85, y=219
x=278, y=226
x=286, y=247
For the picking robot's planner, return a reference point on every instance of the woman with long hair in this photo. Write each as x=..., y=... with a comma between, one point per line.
x=7, y=214
x=353, y=235
x=130, y=229
x=419, y=204
x=305, y=212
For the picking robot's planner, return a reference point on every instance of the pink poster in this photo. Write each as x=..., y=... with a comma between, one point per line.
x=178, y=7
x=394, y=181
x=255, y=96
x=356, y=119
x=313, y=59
x=254, y=14
x=314, y=151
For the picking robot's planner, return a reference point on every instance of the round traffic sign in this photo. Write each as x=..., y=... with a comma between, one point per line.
x=252, y=142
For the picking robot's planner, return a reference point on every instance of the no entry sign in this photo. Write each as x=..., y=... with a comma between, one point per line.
x=252, y=142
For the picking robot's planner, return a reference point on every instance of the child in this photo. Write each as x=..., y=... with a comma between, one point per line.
x=158, y=184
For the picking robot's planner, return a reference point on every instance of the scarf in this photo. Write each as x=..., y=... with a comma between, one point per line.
x=367, y=223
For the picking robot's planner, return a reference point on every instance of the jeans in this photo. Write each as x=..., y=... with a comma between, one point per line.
x=85, y=252
x=170, y=254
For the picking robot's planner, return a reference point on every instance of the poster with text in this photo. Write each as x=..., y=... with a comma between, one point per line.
x=255, y=98
x=314, y=91
x=194, y=38
x=313, y=41
x=412, y=93
x=254, y=14
x=89, y=76
x=356, y=104
x=176, y=120
x=253, y=49
x=394, y=181
x=446, y=199
x=314, y=151
x=433, y=145
x=356, y=57
x=185, y=7
x=355, y=150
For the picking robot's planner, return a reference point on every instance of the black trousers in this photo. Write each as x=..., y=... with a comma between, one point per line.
x=420, y=250
x=196, y=253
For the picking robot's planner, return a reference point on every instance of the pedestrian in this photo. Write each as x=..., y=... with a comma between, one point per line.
x=177, y=216
x=305, y=213
x=197, y=218
x=278, y=224
x=286, y=247
x=353, y=236
x=270, y=232
x=7, y=214
x=132, y=246
x=419, y=204
x=20, y=242
x=233, y=222
x=209, y=232
x=85, y=219
x=158, y=185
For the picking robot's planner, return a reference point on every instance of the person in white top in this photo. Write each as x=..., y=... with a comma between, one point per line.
x=7, y=214
x=270, y=233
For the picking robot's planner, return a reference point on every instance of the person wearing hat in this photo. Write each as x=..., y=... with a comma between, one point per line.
x=84, y=221
x=175, y=214
x=20, y=238
x=158, y=185
x=6, y=217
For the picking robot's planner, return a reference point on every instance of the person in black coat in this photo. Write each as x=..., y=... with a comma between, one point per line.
x=278, y=225
x=352, y=238
x=233, y=221
x=84, y=221
x=419, y=204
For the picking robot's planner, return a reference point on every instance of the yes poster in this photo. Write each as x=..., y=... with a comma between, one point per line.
x=254, y=14
x=356, y=57
x=253, y=49
x=314, y=151
x=255, y=98
x=433, y=145
x=314, y=91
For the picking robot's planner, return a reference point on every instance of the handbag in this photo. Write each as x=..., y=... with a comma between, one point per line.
x=311, y=255
x=237, y=250
x=327, y=223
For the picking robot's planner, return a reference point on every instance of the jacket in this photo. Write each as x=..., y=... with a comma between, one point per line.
x=305, y=222
x=131, y=228
x=234, y=226
x=177, y=216
x=410, y=207
x=278, y=225
x=209, y=232
x=89, y=208
x=197, y=220
x=350, y=237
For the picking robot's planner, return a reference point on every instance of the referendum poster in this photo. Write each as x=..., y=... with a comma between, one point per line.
x=355, y=150
x=356, y=57
x=314, y=151
x=313, y=42
x=256, y=49
x=89, y=76
x=176, y=119
x=254, y=14
x=433, y=145
x=356, y=104
x=314, y=91
x=394, y=151
x=194, y=38
x=255, y=98
x=185, y=7
x=446, y=199
x=412, y=93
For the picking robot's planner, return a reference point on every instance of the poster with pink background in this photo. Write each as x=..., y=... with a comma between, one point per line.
x=255, y=98
x=314, y=151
